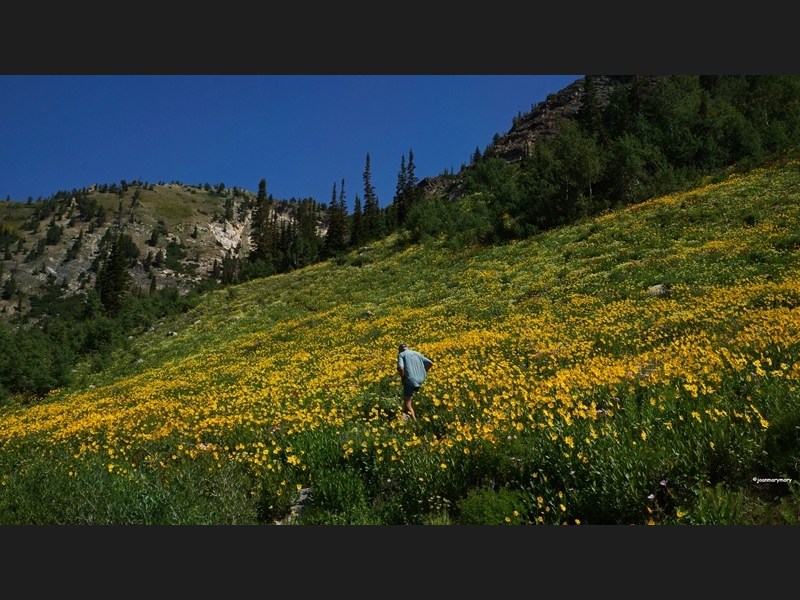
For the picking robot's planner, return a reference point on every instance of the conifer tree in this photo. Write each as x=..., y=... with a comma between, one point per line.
x=230, y=269
x=284, y=248
x=476, y=157
x=307, y=240
x=273, y=233
x=357, y=231
x=262, y=231
x=372, y=224
x=411, y=194
x=400, y=193
x=411, y=178
x=334, y=238
x=590, y=114
x=113, y=278
x=401, y=178
x=343, y=214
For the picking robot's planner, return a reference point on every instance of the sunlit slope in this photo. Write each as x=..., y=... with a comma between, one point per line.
x=549, y=337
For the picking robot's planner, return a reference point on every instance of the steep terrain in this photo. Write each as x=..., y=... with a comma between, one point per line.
x=638, y=367
x=196, y=226
x=529, y=127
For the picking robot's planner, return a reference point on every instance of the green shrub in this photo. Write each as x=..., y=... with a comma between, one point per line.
x=338, y=497
x=492, y=507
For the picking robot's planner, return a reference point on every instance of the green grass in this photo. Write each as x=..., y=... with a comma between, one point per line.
x=563, y=391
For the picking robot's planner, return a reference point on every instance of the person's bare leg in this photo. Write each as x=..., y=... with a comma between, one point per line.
x=408, y=408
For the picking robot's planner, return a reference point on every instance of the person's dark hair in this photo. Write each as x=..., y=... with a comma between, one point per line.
x=401, y=347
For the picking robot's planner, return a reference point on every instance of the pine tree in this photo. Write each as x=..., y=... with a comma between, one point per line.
x=373, y=226
x=357, y=235
x=284, y=248
x=230, y=269
x=334, y=238
x=411, y=180
x=476, y=157
x=273, y=234
x=590, y=113
x=399, y=201
x=401, y=178
x=261, y=229
x=343, y=214
x=307, y=240
x=113, y=278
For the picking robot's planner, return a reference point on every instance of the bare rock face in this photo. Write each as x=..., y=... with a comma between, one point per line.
x=540, y=123
x=229, y=234
x=436, y=185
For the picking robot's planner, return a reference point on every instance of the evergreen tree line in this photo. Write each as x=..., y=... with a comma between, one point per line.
x=277, y=245
x=91, y=324
x=94, y=323
x=283, y=245
x=369, y=222
x=39, y=357
x=653, y=137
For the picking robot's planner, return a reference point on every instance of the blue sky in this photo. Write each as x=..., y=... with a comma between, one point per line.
x=300, y=133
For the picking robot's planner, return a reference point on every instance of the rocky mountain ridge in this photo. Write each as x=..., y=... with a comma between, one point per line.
x=540, y=123
x=188, y=223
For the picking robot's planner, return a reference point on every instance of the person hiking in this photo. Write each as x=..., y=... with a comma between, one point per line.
x=413, y=368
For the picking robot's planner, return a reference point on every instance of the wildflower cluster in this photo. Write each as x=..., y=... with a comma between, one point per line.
x=563, y=383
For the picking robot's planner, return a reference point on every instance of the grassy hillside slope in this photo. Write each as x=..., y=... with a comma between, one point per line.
x=188, y=220
x=641, y=367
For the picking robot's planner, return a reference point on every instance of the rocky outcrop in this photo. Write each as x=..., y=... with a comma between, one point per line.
x=527, y=129
x=542, y=121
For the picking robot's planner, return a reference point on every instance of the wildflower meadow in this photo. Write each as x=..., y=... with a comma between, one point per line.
x=641, y=367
